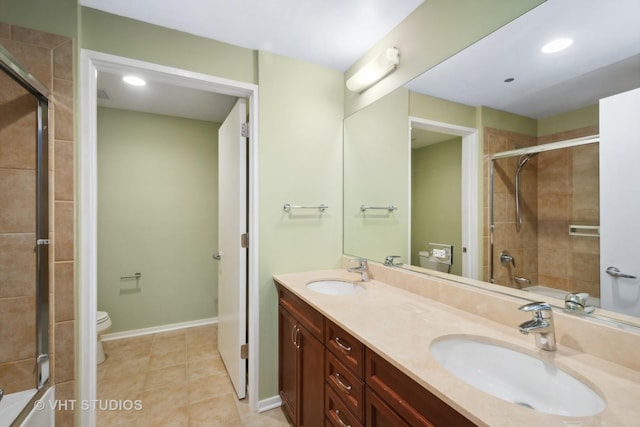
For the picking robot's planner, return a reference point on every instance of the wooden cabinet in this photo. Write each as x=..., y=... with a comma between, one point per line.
x=301, y=360
x=344, y=369
x=412, y=402
x=379, y=414
x=328, y=377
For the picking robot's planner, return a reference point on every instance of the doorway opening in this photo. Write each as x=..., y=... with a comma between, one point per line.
x=469, y=169
x=91, y=64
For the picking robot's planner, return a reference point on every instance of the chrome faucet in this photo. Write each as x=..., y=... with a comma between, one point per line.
x=362, y=268
x=578, y=302
x=541, y=325
x=1, y=393
x=389, y=260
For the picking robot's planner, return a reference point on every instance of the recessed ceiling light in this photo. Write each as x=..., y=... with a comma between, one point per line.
x=134, y=81
x=556, y=45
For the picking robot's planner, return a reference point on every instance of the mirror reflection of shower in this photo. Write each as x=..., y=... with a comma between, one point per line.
x=544, y=218
x=521, y=162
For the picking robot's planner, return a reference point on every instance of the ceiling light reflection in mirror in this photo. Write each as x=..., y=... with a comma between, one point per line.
x=603, y=60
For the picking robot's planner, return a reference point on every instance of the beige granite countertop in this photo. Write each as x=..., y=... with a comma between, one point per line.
x=401, y=325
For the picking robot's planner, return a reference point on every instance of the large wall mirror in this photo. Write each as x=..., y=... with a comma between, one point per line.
x=432, y=169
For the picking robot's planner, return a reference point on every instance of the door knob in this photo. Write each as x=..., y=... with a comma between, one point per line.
x=613, y=271
x=216, y=256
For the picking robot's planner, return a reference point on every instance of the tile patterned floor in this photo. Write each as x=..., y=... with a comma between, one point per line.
x=180, y=379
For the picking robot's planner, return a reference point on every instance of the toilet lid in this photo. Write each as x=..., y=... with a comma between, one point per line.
x=102, y=316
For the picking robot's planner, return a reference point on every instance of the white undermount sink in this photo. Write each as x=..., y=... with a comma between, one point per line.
x=335, y=287
x=516, y=377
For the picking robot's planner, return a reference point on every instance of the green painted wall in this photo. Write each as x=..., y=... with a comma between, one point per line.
x=301, y=164
x=441, y=110
x=583, y=117
x=508, y=121
x=157, y=215
x=152, y=43
x=52, y=16
x=376, y=173
x=436, y=199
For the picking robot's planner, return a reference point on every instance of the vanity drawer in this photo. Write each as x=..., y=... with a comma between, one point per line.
x=345, y=347
x=336, y=412
x=345, y=385
x=308, y=316
x=414, y=403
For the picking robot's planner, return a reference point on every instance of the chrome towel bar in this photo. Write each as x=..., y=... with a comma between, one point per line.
x=135, y=276
x=389, y=208
x=287, y=207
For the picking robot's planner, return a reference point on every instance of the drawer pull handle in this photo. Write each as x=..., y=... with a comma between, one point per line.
x=341, y=383
x=295, y=331
x=342, y=346
x=339, y=417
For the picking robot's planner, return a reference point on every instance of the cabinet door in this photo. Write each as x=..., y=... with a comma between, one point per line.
x=410, y=400
x=311, y=398
x=379, y=414
x=288, y=363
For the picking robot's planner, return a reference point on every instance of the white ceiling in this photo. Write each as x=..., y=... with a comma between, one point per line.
x=333, y=33
x=604, y=60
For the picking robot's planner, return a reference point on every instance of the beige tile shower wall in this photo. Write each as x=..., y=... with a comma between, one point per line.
x=17, y=236
x=50, y=58
x=522, y=245
x=568, y=194
x=558, y=188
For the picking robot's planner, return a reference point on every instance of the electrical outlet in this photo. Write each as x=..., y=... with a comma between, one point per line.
x=440, y=253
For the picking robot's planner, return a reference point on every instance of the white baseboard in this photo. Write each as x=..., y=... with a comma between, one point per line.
x=270, y=403
x=156, y=329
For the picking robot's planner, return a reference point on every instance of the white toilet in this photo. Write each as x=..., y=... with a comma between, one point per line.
x=432, y=262
x=104, y=323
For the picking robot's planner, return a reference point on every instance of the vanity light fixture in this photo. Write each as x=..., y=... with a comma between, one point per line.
x=374, y=71
x=556, y=45
x=134, y=80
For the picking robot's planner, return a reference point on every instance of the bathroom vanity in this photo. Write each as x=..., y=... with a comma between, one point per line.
x=365, y=358
x=338, y=378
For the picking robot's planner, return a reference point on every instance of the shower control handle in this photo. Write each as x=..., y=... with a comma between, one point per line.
x=613, y=271
x=217, y=256
x=506, y=259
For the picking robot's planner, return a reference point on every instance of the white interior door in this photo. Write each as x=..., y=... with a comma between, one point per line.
x=232, y=224
x=619, y=202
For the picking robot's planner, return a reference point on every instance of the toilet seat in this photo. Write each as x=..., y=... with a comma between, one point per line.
x=102, y=317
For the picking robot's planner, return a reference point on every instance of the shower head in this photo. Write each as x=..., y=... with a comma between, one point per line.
x=521, y=162
x=524, y=159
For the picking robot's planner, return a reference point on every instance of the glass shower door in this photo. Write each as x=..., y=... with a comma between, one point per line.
x=18, y=235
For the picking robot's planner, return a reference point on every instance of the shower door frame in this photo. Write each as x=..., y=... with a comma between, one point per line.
x=20, y=75
x=534, y=149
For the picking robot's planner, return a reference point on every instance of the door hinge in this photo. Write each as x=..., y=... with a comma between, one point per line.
x=244, y=351
x=244, y=240
x=244, y=130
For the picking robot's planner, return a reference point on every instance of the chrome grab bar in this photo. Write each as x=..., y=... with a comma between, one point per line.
x=389, y=208
x=321, y=207
x=613, y=271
